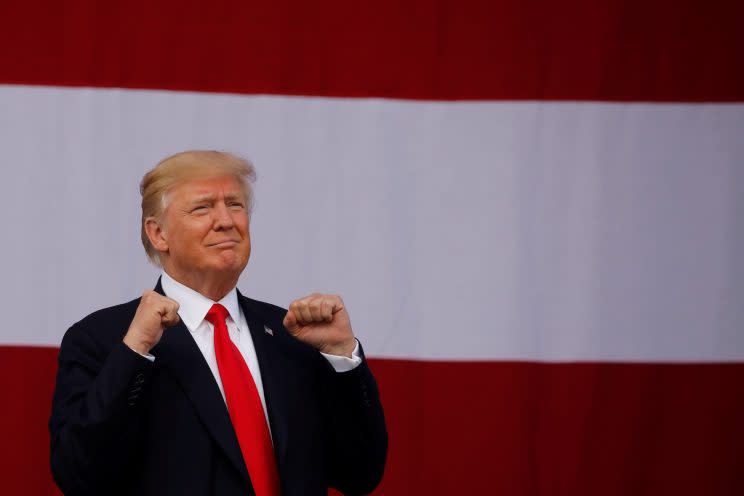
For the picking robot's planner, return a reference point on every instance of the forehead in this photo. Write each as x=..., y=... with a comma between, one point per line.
x=212, y=186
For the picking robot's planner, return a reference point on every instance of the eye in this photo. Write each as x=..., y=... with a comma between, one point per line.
x=199, y=209
x=236, y=205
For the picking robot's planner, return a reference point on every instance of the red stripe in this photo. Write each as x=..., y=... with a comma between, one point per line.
x=569, y=429
x=618, y=50
x=491, y=428
x=27, y=383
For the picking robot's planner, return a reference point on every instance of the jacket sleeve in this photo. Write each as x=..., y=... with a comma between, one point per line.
x=96, y=412
x=356, y=428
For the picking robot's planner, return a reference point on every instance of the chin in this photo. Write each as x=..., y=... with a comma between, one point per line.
x=231, y=262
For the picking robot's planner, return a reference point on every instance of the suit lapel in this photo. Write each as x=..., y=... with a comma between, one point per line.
x=270, y=359
x=178, y=352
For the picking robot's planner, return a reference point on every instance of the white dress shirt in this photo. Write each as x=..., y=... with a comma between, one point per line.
x=193, y=307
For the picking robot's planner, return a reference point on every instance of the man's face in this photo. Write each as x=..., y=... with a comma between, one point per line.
x=206, y=228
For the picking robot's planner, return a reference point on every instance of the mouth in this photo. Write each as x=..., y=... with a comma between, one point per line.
x=229, y=243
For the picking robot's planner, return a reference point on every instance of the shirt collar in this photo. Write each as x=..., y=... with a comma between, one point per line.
x=193, y=306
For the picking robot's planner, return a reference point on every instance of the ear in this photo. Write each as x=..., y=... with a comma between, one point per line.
x=156, y=234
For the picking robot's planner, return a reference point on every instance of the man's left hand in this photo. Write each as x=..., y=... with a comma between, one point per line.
x=322, y=322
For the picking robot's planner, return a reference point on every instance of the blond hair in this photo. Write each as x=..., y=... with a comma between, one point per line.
x=192, y=164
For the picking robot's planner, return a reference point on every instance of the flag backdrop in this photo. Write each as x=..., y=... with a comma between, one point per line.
x=534, y=211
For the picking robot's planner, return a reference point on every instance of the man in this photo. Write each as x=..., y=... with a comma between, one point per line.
x=194, y=389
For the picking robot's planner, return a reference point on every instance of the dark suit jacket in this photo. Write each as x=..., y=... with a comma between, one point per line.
x=121, y=424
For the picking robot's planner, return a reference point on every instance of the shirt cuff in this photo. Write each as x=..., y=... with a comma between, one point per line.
x=342, y=363
x=148, y=356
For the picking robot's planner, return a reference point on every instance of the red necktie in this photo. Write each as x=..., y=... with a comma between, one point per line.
x=245, y=408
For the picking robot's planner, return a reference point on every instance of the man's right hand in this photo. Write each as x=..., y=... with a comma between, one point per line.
x=154, y=313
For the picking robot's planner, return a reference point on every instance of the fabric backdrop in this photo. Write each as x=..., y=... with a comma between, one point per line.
x=533, y=210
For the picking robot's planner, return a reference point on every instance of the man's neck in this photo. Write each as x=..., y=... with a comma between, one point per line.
x=214, y=287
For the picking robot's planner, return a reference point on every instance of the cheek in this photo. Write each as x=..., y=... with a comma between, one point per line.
x=243, y=225
x=188, y=237
x=247, y=235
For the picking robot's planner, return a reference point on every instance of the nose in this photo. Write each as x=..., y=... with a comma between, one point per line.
x=222, y=217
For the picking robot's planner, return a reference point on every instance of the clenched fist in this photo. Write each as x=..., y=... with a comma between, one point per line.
x=322, y=322
x=154, y=313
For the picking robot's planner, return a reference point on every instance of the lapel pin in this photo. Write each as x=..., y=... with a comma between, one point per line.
x=268, y=331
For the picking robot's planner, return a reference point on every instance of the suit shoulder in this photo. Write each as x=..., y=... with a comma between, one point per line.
x=104, y=325
x=118, y=312
x=273, y=316
x=268, y=311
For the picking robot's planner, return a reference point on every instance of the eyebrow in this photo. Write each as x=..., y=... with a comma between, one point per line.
x=201, y=199
x=212, y=198
x=235, y=196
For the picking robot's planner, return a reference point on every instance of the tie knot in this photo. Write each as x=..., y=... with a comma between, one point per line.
x=216, y=314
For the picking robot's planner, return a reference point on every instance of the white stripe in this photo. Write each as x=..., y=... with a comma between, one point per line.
x=536, y=231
